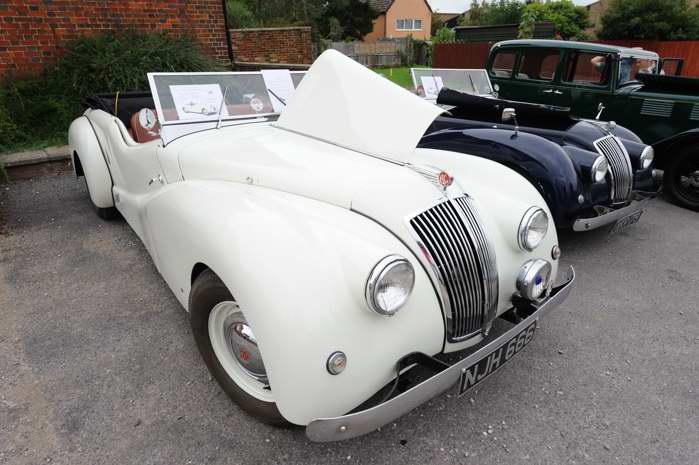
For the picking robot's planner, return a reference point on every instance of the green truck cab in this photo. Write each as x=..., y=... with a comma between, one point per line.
x=611, y=83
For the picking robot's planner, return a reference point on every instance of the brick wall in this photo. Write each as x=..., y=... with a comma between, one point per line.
x=282, y=45
x=33, y=31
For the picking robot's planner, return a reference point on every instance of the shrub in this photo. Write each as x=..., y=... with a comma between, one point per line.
x=444, y=35
x=239, y=14
x=8, y=129
x=120, y=62
x=37, y=111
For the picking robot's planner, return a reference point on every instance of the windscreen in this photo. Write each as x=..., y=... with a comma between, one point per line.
x=429, y=81
x=200, y=97
x=629, y=67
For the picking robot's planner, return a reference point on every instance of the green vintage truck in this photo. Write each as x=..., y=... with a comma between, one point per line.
x=631, y=86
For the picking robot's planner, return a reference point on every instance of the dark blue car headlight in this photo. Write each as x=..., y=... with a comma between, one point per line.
x=646, y=158
x=599, y=169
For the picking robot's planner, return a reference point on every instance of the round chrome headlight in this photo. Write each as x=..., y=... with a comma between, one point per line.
x=534, y=279
x=389, y=285
x=599, y=169
x=647, y=157
x=532, y=228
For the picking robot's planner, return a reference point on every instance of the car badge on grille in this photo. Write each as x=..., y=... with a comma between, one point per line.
x=445, y=180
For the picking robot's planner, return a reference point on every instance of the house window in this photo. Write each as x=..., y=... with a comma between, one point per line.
x=409, y=24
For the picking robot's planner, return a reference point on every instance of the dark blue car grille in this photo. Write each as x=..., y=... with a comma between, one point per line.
x=619, y=167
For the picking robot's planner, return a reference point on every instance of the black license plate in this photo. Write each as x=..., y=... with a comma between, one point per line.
x=492, y=361
x=626, y=221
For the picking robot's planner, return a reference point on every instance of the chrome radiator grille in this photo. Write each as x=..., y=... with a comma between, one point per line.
x=453, y=239
x=619, y=167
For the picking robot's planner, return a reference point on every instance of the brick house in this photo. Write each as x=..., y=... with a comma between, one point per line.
x=400, y=18
x=32, y=32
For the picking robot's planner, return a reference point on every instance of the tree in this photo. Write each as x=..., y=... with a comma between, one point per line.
x=336, y=19
x=496, y=12
x=443, y=35
x=569, y=20
x=650, y=19
x=354, y=16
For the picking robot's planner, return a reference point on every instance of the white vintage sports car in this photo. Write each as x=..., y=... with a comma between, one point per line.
x=321, y=256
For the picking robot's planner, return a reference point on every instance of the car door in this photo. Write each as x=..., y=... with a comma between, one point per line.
x=533, y=79
x=501, y=66
x=585, y=80
x=137, y=175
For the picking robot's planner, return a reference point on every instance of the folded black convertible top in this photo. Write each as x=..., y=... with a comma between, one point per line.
x=125, y=103
x=488, y=108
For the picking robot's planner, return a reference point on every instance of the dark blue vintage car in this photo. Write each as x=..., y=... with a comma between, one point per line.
x=590, y=172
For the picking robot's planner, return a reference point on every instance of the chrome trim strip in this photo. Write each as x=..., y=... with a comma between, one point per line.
x=366, y=421
x=588, y=224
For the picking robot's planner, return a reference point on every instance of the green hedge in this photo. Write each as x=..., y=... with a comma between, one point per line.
x=36, y=112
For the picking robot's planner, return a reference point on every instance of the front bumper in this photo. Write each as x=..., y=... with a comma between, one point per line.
x=366, y=421
x=610, y=215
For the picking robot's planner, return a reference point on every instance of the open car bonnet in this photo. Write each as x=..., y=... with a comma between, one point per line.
x=344, y=103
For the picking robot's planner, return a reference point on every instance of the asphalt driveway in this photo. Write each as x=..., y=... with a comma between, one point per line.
x=98, y=365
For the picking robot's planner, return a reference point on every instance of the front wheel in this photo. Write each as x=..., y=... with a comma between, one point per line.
x=229, y=348
x=681, y=179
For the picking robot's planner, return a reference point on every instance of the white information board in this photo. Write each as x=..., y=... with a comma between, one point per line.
x=197, y=101
x=431, y=85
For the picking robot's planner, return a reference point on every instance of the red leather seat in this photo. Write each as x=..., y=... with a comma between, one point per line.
x=145, y=126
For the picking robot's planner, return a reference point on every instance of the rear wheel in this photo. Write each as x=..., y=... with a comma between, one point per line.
x=229, y=348
x=681, y=178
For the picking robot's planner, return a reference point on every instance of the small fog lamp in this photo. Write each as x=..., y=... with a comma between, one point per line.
x=534, y=279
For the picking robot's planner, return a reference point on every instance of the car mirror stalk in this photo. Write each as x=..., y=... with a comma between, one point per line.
x=600, y=109
x=509, y=114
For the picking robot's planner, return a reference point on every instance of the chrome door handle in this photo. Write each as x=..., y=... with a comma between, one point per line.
x=557, y=92
x=158, y=178
x=547, y=91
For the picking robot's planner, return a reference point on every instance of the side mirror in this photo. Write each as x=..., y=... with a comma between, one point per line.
x=508, y=114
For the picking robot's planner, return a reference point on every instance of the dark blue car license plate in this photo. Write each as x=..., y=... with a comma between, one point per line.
x=495, y=359
x=626, y=221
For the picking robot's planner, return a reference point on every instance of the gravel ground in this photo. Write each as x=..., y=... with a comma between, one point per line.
x=97, y=363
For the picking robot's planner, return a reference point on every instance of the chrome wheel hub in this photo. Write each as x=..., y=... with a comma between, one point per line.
x=243, y=346
x=692, y=180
